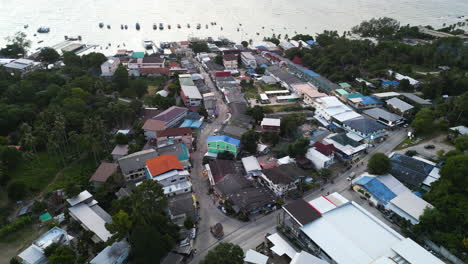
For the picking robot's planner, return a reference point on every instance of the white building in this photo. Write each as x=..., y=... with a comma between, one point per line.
x=248, y=60
x=191, y=95
x=146, y=63
x=307, y=92
x=319, y=160
x=21, y=66
x=174, y=182
x=251, y=166
x=90, y=215
x=109, y=67
x=346, y=233
x=117, y=253
x=34, y=254
x=329, y=109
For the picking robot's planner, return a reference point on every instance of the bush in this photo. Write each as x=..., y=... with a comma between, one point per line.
x=379, y=164
x=188, y=223
x=15, y=226
x=16, y=190
x=411, y=153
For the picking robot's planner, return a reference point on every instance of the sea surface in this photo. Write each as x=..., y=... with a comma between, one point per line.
x=239, y=19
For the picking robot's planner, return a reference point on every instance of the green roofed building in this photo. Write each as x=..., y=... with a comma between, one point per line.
x=138, y=54
x=218, y=144
x=45, y=217
x=345, y=85
x=341, y=91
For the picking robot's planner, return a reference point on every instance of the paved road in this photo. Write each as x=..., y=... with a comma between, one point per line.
x=250, y=234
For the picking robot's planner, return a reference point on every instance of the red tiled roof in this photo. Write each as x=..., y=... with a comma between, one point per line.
x=222, y=74
x=162, y=164
x=154, y=125
x=176, y=131
x=297, y=60
x=325, y=149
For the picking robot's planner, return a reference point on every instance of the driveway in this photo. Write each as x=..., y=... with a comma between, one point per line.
x=439, y=142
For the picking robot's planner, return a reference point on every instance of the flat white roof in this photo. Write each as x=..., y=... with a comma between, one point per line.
x=322, y=204
x=251, y=164
x=306, y=258
x=32, y=254
x=281, y=246
x=278, y=92
x=354, y=137
x=461, y=129
x=387, y=94
x=83, y=196
x=263, y=96
x=337, y=199
x=91, y=220
x=315, y=156
x=411, y=204
x=393, y=184
x=177, y=187
x=351, y=235
x=329, y=101
x=191, y=92
x=346, y=116
x=252, y=256
x=287, y=97
x=271, y=122
x=414, y=253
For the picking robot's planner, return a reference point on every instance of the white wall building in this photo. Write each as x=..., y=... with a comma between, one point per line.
x=109, y=67
x=248, y=60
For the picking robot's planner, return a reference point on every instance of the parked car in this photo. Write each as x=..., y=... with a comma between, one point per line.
x=430, y=146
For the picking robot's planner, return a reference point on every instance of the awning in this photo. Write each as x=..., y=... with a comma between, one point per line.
x=281, y=246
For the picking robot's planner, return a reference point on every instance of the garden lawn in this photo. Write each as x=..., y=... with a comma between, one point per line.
x=77, y=172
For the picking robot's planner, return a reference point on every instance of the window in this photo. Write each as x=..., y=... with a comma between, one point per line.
x=181, y=179
x=173, y=180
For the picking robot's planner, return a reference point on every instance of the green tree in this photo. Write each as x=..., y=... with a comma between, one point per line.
x=461, y=142
x=225, y=253
x=49, y=55
x=379, y=164
x=290, y=123
x=120, y=226
x=62, y=255
x=405, y=85
x=257, y=112
x=249, y=141
x=299, y=147
x=245, y=44
x=121, y=139
x=14, y=260
x=121, y=80
x=71, y=59
x=260, y=70
x=423, y=121
x=270, y=138
x=17, y=46
x=219, y=60
x=188, y=223
x=198, y=47
x=16, y=190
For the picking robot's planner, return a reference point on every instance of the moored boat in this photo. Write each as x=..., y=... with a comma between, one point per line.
x=178, y=26
x=43, y=30
x=161, y=26
x=101, y=25
x=137, y=26
x=198, y=26
x=155, y=26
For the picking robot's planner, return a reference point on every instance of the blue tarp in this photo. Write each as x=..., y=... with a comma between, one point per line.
x=377, y=189
x=191, y=124
x=261, y=47
x=311, y=42
x=390, y=83
x=264, y=65
x=250, y=70
x=369, y=100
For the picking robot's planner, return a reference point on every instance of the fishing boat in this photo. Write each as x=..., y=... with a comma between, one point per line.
x=101, y=25
x=221, y=28
x=108, y=27
x=43, y=30
x=40, y=41
x=161, y=26
x=178, y=26
x=188, y=25
x=126, y=27
x=137, y=26
x=121, y=26
x=168, y=26
x=155, y=26
x=26, y=26
x=198, y=26
x=148, y=44
x=206, y=26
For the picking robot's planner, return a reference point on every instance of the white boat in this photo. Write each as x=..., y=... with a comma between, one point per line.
x=148, y=44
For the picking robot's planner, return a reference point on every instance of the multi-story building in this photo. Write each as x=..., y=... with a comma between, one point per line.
x=109, y=66
x=191, y=96
x=169, y=172
x=230, y=61
x=176, y=135
x=271, y=125
x=248, y=60
x=307, y=92
x=133, y=165
x=282, y=179
x=146, y=63
x=218, y=144
x=172, y=116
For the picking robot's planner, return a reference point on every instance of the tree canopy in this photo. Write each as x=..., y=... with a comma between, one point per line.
x=225, y=253
x=379, y=164
x=249, y=141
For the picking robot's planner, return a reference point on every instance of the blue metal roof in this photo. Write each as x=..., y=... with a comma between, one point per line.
x=227, y=139
x=388, y=83
x=261, y=47
x=377, y=189
x=311, y=42
x=308, y=72
x=370, y=100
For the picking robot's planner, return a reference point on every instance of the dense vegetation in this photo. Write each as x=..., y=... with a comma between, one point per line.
x=225, y=253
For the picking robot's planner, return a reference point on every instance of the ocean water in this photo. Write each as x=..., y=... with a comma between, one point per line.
x=239, y=19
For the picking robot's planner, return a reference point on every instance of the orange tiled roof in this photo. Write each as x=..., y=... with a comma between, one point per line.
x=162, y=164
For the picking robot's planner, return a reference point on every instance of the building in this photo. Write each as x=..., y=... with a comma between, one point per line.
x=34, y=254
x=109, y=66
x=409, y=206
x=119, y=151
x=181, y=207
x=209, y=101
x=282, y=179
x=271, y=125
x=217, y=169
x=176, y=135
x=416, y=99
x=414, y=171
x=346, y=147
x=133, y=165
x=321, y=155
x=400, y=77
x=363, y=102
x=230, y=61
x=117, y=253
x=251, y=166
x=168, y=171
x=86, y=211
x=253, y=257
x=102, y=173
x=21, y=66
x=284, y=78
x=341, y=231
x=399, y=106
x=331, y=111
x=191, y=96
x=152, y=126
x=459, y=130
x=367, y=129
x=307, y=92
x=382, y=116
x=218, y=144
x=145, y=63
x=176, y=149
x=172, y=116
x=186, y=79
x=248, y=60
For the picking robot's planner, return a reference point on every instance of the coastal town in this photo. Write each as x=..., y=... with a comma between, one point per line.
x=210, y=151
